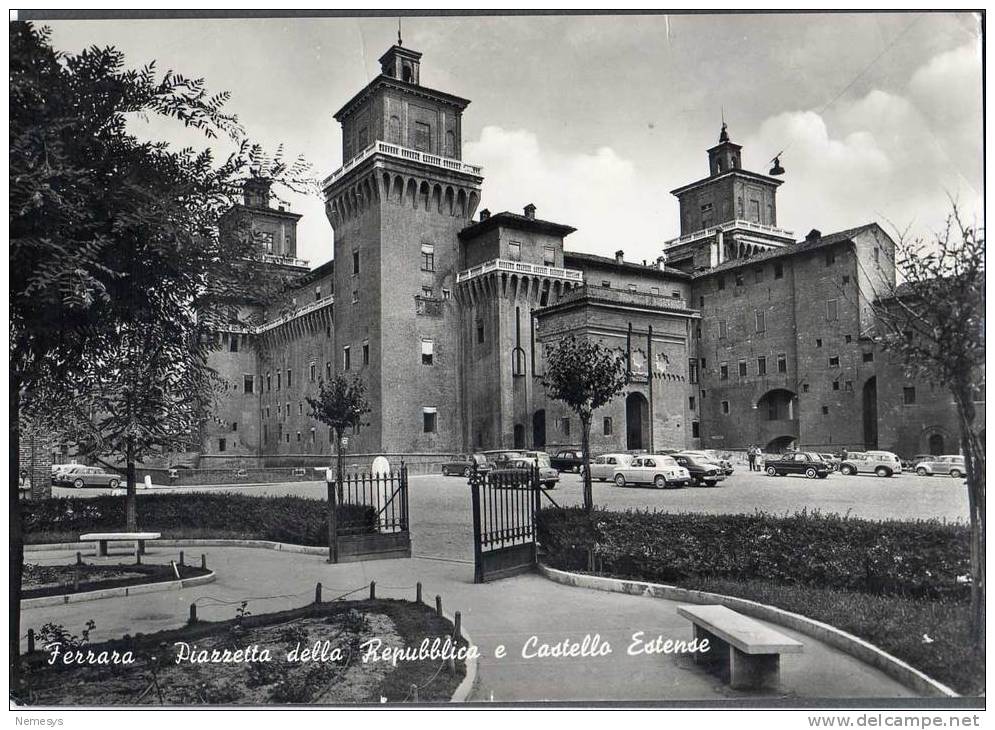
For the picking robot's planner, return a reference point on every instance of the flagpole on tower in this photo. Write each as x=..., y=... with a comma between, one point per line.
x=399, y=41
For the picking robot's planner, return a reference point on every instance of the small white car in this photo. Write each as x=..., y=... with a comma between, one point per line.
x=952, y=465
x=881, y=463
x=603, y=467
x=657, y=469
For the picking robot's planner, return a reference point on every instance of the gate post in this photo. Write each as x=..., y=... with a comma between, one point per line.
x=537, y=503
x=404, y=496
x=478, y=559
x=333, y=519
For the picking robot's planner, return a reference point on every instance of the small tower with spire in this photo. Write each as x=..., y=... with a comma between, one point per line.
x=725, y=155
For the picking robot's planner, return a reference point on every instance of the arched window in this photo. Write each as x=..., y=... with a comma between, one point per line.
x=518, y=362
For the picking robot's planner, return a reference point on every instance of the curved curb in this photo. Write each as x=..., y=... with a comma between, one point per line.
x=465, y=688
x=169, y=585
x=838, y=639
x=193, y=542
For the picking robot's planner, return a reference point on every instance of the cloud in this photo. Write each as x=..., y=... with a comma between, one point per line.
x=600, y=193
x=889, y=157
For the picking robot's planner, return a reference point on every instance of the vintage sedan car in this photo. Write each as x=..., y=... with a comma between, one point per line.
x=881, y=463
x=659, y=470
x=832, y=460
x=812, y=465
x=702, y=471
x=910, y=464
x=568, y=460
x=952, y=465
x=463, y=464
x=603, y=467
x=500, y=457
x=713, y=457
x=79, y=476
x=548, y=476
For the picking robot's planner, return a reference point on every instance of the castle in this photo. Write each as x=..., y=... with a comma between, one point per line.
x=739, y=334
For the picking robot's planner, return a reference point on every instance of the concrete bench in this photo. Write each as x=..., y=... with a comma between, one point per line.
x=749, y=650
x=102, y=538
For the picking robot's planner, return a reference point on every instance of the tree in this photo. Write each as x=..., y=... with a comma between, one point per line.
x=340, y=404
x=108, y=233
x=934, y=322
x=585, y=376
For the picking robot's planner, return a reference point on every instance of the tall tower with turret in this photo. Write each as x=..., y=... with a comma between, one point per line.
x=396, y=205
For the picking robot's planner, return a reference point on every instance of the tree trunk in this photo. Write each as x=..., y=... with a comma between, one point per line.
x=974, y=463
x=339, y=463
x=585, y=447
x=130, y=498
x=16, y=538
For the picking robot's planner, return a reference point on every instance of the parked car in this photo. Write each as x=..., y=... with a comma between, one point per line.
x=56, y=468
x=952, y=465
x=701, y=471
x=568, y=460
x=500, y=457
x=881, y=463
x=463, y=464
x=548, y=476
x=79, y=476
x=910, y=464
x=810, y=464
x=659, y=470
x=714, y=457
x=831, y=459
x=603, y=467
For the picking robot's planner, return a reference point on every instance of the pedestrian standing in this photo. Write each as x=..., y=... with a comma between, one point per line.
x=751, y=457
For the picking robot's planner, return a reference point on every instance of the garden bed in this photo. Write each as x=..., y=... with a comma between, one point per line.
x=296, y=520
x=59, y=580
x=895, y=584
x=154, y=677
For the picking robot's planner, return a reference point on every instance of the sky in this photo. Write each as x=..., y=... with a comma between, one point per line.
x=594, y=119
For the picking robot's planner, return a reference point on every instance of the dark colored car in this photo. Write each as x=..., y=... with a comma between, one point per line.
x=798, y=462
x=462, y=465
x=548, y=476
x=701, y=471
x=567, y=460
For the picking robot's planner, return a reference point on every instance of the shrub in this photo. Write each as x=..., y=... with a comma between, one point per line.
x=295, y=520
x=918, y=559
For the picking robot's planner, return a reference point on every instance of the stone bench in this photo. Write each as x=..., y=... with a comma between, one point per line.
x=749, y=650
x=102, y=538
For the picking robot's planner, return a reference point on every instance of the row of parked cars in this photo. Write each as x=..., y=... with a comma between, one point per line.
x=880, y=463
x=668, y=469
x=79, y=476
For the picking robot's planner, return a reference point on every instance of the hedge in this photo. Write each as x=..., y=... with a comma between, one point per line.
x=921, y=559
x=296, y=520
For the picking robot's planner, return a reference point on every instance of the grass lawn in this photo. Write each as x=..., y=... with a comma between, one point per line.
x=59, y=580
x=896, y=625
x=156, y=678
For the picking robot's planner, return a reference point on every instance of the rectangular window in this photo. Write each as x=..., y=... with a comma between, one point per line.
x=692, y=371
x=514, y=250
x=447, y=294
x=834, y=361
x=778, y=270
x=300, y=407
x=312, y=372
x=233, y=343
x=248, y=383
x=565, y=426
x=428, y=257
x=868, y=357
x=606, y=426
x=366, y=352
x=701, y=302
x=548, y=256
x=761, y=365
x=847, y=339
x=742, y=368
x=848, y=386
x=725, y=408
x=317, y=293
x=279, y=379
x=782, y=363
x=695, y=429
x=818, y=342
x=739, y=279
x=427, y=352
x=846, y=279
x=298, y=435
x=355, y=262
x=832, y=310
x=702, y=364
x=269, y=382
x=222, y=444
x=428, y=421
x=289, y=379
x=234, y=425
x=761, y=320
x=825, y=410
x=346, y=358
x=691, y=403
x=836, y=385
x=328, y=370
x=805, y=388
x=426, y=291
x=724, y=371
x=909, y=395
x=723, y=329
x=655, y=290
x=480, y=331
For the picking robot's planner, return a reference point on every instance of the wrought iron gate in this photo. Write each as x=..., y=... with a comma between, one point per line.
x=371, y=517
x=504, y=509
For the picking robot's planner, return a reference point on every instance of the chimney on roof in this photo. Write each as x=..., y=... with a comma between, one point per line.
x=619, y=256
x=814, y=235
x=484, y=215
x=530, y=211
